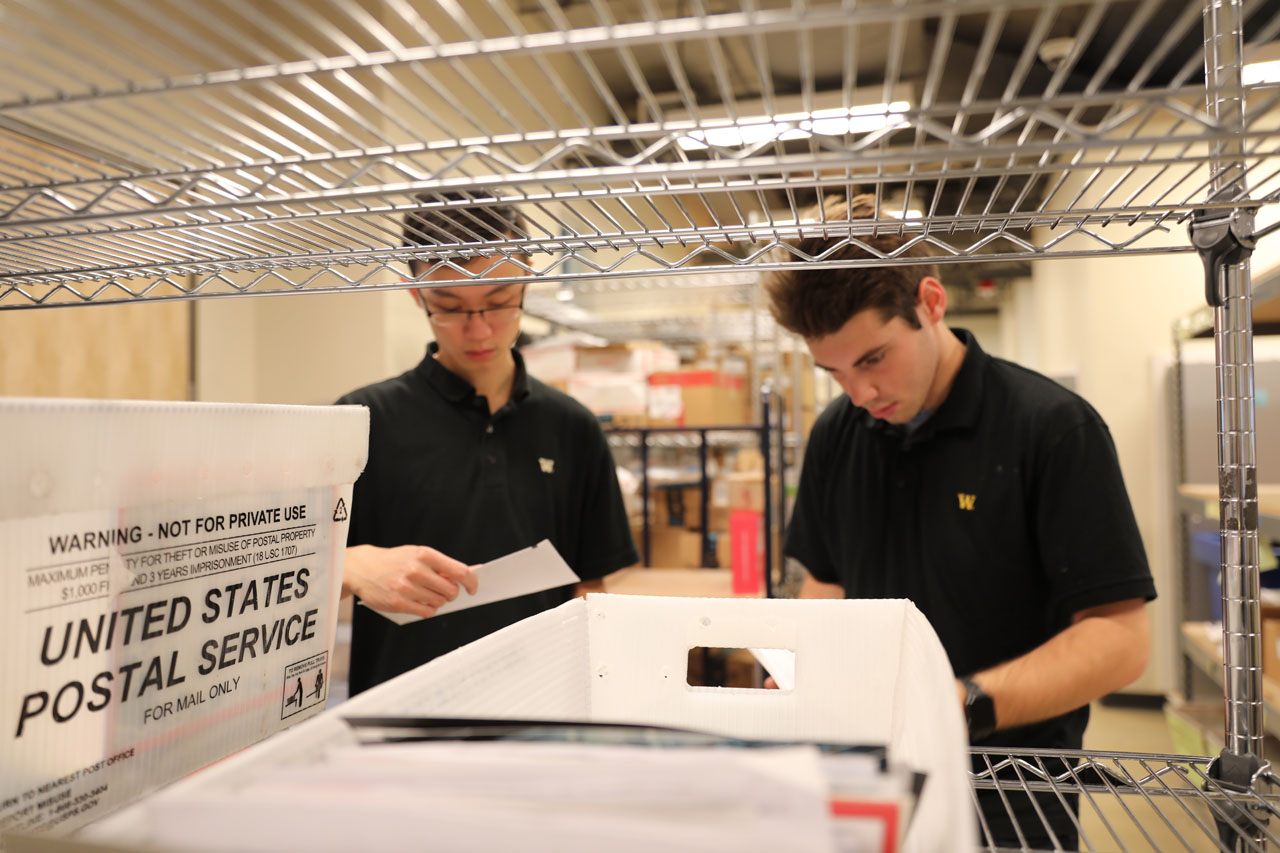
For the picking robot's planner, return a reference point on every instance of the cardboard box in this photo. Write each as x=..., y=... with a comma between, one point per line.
x=674, y=548
x=718, y=519
x=1271, y=645
x=617, y=394
x=724, y=549
x=706, y=398
x=643, y=357
x=746, y=490
x=867, y=672
x=748, y=459
x=678, y=506
x=144, y=548
x=557, y=361
x=785, y=381
x=681, y=506
x=553, y=362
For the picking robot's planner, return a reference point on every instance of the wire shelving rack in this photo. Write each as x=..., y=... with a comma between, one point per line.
x=156, y=151
x=153, y=150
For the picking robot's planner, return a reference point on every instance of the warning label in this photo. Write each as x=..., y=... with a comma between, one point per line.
x=304, y=685
x=158, y=632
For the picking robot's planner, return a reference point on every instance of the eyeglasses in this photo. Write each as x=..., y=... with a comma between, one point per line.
x=495, y=316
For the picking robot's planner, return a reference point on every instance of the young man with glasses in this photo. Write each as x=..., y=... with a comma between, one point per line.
x=470, y=458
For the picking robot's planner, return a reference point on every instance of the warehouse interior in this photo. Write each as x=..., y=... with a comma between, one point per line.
x=203, y=204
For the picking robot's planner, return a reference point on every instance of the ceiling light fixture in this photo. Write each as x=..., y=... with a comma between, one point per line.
x=1256, y=73
x=745, y=121
x=1261, y=64
x=830, y=122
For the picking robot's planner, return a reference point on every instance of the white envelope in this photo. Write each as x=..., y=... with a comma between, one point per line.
x=523, y=572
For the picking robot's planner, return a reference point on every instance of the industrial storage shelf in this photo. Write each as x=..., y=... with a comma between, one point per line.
x=154, y=150
x=160, y=150
x=1266, y=311
x=1135, y=802
x=1202, y=499
x=1202, y=644
x=688, y=437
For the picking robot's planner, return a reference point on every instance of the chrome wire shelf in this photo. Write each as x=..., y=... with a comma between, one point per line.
x=154, y=150
x=1132, y=802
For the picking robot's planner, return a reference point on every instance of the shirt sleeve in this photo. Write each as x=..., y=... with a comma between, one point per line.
x=1091, y=549
x=605, y=533
x=805, y=541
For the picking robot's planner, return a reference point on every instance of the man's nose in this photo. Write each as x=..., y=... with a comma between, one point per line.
x=477, y=326
x=860, y=392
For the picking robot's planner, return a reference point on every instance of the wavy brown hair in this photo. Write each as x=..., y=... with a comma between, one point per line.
x=817, y=301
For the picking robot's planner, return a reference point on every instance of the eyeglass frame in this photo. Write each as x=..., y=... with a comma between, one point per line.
x=467, y=314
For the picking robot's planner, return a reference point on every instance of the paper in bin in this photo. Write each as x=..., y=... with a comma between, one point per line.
x=779, y=663
x=522, y=572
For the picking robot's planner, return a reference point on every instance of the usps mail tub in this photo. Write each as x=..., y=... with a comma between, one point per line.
x=869, y=672
x=169, y=583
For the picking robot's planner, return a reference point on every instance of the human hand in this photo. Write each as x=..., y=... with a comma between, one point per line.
x=406, y=579
x=769, y=683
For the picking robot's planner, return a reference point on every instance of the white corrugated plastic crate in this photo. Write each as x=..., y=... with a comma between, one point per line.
x=169, y=585
x=867, y=672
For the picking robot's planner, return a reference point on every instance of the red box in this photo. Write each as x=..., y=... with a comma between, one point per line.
x=744, y=551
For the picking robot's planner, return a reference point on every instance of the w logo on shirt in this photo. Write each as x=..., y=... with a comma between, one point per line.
x=966, y=501
x=548, y=466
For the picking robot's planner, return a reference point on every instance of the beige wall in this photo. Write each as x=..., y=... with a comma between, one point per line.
x=1105, y=322
x=136, y=352
x=304, y=349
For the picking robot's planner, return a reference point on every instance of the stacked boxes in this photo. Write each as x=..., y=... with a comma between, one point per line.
x=698, y=398
x=675, y=533
x=611, y=381
x=676, y=518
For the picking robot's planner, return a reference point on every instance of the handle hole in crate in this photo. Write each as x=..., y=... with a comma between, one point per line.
x=713, y=666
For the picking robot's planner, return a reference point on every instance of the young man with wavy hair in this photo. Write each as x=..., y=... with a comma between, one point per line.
x=984, y=492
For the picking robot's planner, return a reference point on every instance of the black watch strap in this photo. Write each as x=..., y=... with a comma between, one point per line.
x=979, y=710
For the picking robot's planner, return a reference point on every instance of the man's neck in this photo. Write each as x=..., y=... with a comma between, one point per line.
x=951, y=352
x=491, y=381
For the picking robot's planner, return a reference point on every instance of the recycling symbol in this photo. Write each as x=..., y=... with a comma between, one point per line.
x=340, y=511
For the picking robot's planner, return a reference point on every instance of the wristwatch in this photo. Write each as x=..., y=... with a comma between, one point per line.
x=979, y=710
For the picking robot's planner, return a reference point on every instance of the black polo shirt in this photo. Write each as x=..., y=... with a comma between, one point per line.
x=1000, y=516
x=444, y=472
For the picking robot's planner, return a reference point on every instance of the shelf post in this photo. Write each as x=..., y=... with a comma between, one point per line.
x=1224, y=238
x=766, y=450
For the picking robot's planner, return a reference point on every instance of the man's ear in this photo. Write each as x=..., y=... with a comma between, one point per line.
x=417, y=297
x=932, y=299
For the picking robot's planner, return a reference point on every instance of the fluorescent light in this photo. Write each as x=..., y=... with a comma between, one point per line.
x=832, y=122
x=1261, y=72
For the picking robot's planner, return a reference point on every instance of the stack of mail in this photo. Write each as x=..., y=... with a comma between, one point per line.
x=863, y=673
x=526, y=796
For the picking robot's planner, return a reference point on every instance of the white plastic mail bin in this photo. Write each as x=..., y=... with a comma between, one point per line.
x=169, y=583
x=867, y=672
